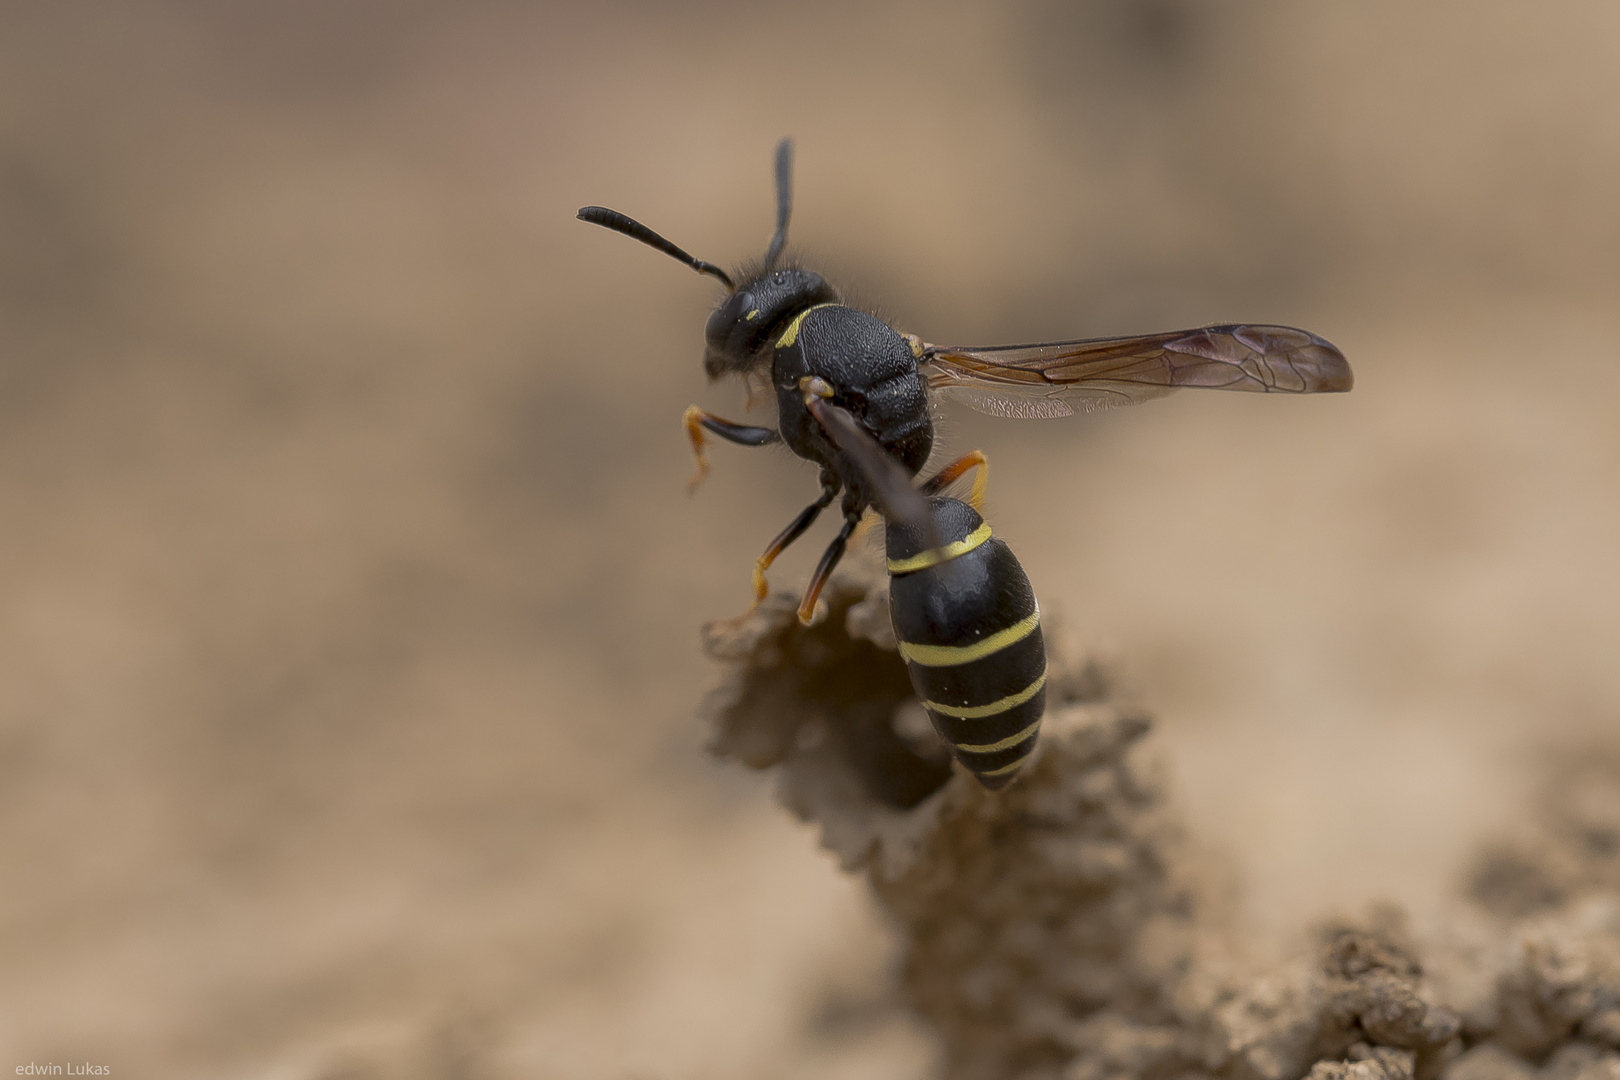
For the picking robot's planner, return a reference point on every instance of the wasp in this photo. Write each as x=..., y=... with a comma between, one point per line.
x=853, y=397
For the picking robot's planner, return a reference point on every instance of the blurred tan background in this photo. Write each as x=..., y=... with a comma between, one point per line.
x=351, y=591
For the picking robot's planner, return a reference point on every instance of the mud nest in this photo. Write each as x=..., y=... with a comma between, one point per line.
x=1058, y=930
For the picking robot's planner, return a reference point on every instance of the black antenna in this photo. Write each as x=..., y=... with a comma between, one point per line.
x=612, y=219
x=784, y=200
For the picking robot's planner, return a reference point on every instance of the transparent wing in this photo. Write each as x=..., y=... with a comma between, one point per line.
x=1061, y=377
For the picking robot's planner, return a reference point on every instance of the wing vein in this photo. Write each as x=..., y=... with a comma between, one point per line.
x=1056, y=378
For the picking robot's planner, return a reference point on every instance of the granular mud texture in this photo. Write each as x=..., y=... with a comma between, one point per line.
x=1061, y=930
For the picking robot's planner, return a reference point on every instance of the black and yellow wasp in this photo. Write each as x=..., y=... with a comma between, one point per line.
x=853, y=397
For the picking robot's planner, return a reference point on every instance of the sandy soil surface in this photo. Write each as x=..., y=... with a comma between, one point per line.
x=351, y=587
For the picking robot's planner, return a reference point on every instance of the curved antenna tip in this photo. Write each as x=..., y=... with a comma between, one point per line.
x=784, y=200
x=629, y=226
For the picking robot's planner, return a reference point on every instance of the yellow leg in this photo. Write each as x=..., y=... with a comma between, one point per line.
x=954, y=471
x=795, y=529
x=693, y=419
x=697, y=421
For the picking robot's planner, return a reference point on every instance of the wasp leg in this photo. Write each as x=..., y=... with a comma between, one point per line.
x=696, y=420
x=795, y=529
x=955, y=470
x=824, y=568
x=868, y=522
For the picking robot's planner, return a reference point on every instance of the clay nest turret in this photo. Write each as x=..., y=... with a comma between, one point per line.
x=1058, y=930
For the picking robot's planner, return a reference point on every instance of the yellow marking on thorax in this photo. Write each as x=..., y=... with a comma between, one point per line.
x=979, y=712
x=935, y=556
x=791, y=334
x=751, y=316
x=951, y=655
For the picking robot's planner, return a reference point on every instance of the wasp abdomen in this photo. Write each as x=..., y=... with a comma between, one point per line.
x=969, y=631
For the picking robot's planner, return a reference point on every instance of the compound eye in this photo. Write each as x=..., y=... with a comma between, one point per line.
x=726, y=316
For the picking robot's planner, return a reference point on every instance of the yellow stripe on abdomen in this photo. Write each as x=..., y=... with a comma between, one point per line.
x=951, y=655
x=935, y=556
x=1005, y=769
x=1001, y=744
x=979, y=712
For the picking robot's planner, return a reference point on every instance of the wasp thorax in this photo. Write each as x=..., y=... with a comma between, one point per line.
x=756, y=313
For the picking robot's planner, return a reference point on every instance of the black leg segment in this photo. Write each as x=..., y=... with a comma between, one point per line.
x=697, y=422
x=824, y=569
x=795, y=529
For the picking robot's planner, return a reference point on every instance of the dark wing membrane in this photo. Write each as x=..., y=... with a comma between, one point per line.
x=1057, y=378
x=890, y=484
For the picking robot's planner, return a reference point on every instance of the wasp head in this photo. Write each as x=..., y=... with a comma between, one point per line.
x=755, y=313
